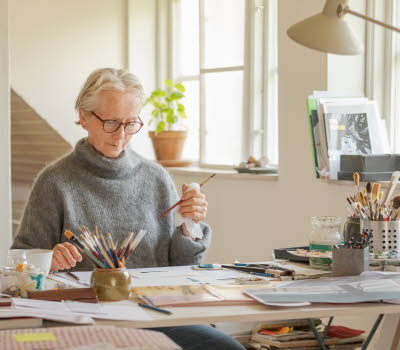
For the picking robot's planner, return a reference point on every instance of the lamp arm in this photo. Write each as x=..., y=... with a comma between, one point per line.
x=343, y=10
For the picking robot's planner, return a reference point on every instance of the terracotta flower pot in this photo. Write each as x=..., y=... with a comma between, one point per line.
x=168, y=147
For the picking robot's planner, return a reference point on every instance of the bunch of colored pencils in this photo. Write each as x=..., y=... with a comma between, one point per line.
x=372, y=203
x=359, y=241
x=101, y=250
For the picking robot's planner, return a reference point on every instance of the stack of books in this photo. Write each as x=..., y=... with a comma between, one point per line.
x=341, y=124
x=17, y=322
x=296, y=335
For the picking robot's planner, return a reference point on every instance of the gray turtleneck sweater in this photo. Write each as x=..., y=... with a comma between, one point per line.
x=118, y=195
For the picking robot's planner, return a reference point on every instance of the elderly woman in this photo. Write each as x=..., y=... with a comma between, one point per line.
x=104, y=183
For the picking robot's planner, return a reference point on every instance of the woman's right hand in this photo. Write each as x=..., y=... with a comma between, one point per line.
x=65, y=256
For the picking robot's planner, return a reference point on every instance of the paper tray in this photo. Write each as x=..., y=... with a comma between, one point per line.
x=282, y=253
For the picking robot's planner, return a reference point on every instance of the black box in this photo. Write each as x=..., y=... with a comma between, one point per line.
x=365, y=177
x=370, y=163
x=371, y=167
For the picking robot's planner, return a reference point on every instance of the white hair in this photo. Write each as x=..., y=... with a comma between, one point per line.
x=107, y=79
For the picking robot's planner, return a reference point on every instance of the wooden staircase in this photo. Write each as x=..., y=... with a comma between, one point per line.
x=34, y=144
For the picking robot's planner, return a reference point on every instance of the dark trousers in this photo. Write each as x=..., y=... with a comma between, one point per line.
x=200, y=337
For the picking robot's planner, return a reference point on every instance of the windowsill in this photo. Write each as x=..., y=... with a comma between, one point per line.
x=226, y=174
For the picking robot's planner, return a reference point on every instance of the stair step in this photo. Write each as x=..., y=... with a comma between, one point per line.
x=34, y=143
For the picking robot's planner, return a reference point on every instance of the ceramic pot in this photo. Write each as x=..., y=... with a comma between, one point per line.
x=168, y=146
x=111, y=284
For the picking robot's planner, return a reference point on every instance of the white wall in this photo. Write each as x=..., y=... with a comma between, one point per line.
x=143, y=59
x=250, y=218
x=55, y=45
x=346, y=73
x=5, y=139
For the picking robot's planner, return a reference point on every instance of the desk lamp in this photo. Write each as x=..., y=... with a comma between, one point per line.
x=329, y=32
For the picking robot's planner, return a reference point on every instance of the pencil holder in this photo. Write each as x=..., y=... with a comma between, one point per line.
x=111, y=284
x=384, y=235
x=349, y=261
x=351, y=228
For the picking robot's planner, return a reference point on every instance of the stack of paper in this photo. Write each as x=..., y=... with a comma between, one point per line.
x=75, y=312
x=367, y=287
x=343, y=124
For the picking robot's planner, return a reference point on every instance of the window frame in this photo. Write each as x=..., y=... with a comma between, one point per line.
x=259, y=69
x=381, y=84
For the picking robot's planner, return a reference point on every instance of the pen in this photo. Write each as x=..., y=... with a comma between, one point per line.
x=75, y=277
x=155, y=309
x=262, y=274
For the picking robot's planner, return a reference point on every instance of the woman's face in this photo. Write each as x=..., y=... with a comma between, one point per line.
x=112, y=105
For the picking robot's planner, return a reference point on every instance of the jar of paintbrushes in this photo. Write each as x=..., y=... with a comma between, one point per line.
x=379, y=214
x=110, y=278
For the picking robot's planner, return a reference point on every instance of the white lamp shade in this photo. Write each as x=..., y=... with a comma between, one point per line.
x=328, y=33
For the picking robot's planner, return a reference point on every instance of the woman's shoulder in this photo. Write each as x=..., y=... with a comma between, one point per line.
x=56, y=171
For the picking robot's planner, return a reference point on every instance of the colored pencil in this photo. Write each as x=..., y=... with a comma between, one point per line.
x=150, y=307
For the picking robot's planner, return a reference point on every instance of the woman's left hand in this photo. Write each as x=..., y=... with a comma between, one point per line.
x=194, y=205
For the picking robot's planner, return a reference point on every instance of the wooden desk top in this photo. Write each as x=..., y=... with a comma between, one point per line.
x=247, y=313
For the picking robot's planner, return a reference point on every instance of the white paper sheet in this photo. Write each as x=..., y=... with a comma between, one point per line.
x=52, y=315
x=183, y=275
x=39, y=304
x=367, y=287
x=123, y=310
x=165, y=276
x=64, y=279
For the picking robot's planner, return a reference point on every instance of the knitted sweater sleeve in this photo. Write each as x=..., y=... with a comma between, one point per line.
x=183, y=250
x=42, y=220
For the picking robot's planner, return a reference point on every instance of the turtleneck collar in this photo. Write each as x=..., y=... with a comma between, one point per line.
x=103, y=166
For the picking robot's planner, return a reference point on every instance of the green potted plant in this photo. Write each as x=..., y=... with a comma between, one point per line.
x=168, y=111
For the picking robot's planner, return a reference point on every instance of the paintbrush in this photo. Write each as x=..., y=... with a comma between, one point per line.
x=396, y=216
x=135, y=243
x=104, y=253
x=375, y=191
x=396, y=202
x=369, y=199
x=87, y=238
x=123, y=244
x=82, y=247
x=356, y=178
x=361, y=199
x=180, y=201
x=127, y=245
x=393, y=183
x=107, y=249
x=113, y=249
x=396, y=207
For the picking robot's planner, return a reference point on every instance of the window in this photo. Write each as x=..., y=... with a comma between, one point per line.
x=225, y=53
x=383, y=65
x=393, y=87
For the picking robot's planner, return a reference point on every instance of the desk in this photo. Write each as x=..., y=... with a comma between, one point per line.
x=248, y=313
x=387, y=338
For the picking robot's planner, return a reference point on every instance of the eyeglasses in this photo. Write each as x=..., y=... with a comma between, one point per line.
x=111, y=126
